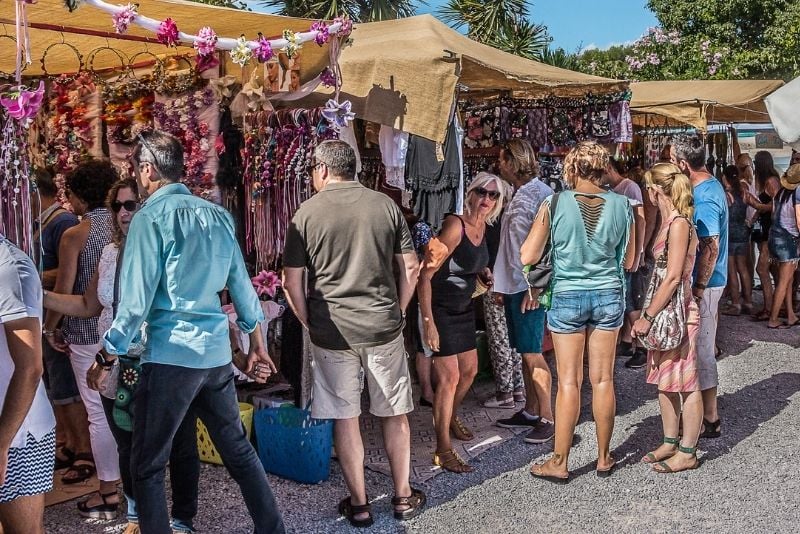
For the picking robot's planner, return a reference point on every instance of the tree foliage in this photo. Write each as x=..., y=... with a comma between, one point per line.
x=235, y=4
x=708, y=39
x=504, y=24
x=357, y=10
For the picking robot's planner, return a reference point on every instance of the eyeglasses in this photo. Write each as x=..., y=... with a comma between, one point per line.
x=484, y=193
x=149, y=148
x=129, y=205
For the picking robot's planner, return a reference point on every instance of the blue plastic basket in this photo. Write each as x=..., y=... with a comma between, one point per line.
x=293, y=445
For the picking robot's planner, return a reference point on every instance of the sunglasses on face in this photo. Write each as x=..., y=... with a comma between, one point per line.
x=129, y=205
x=484, y=193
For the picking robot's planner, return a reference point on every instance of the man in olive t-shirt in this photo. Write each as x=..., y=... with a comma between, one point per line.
x=348, y=239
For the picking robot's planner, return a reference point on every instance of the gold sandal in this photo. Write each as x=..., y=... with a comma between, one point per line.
x=460, y=430
x=451, y=461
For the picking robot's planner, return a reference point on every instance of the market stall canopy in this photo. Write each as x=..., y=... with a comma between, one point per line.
x=784, y=110
x=404, y=72
x=90, y=31
x=699, y=103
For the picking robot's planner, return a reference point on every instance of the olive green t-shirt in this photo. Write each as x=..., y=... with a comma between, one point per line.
x=347, y=236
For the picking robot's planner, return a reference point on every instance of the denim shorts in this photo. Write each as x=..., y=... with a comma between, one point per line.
x=783, y=246
x=59, y=378
x=575, y=311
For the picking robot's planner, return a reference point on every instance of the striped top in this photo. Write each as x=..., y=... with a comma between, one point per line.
x=79, y=331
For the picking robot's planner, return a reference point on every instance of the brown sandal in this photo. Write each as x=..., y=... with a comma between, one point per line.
x=460, y=430
x=350, y=511
x=451, y=461
x=415, y=504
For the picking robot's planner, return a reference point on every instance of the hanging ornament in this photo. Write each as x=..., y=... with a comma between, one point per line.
x=167, y=33
x=347, y=25
x=295, y=42
x=327, y=77
x=206, y=43
x=22, y=103
x=323, y=33
x=338, y=115
x=242, y=53
x=264, y=50
x=123, y=19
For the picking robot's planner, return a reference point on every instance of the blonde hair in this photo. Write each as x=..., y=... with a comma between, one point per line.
x=482, y=179
x=675, y=184
x=587, y=160
x=520, y=156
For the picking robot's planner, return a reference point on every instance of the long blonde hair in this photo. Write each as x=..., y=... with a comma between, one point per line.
x=482, y=179
x=675, y=184
x=587, y=160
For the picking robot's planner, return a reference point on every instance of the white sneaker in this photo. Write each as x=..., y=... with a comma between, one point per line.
x=493, y=402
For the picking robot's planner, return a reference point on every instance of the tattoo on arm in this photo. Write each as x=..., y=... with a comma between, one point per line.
x=709, y=252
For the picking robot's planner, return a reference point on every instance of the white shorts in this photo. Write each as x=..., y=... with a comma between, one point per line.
x=337, y=381
x=706, y=339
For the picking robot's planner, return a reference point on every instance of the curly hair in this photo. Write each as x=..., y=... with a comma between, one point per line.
x=91, y=180
x=127, y=183
x=587, y=160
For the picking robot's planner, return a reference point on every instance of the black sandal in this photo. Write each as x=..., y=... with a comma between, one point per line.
x=67, y=462
x=105, y=511
x=711, y=430
x=350, y=510
x=84, y=471
x=415, y=505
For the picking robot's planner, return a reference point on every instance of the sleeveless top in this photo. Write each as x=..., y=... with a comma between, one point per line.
x=738, y=231
x=456, y=279
x=106, y=272
x=589, y=241
x=688, y=264
x=79, y=331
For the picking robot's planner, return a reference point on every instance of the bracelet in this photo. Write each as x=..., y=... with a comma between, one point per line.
x=48, y=333
x=647, y=317
x=698, y=285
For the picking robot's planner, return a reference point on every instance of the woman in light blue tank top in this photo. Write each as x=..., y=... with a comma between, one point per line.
x=591, y=235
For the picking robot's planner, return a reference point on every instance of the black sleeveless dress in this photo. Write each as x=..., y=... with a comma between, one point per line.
x=451, y=295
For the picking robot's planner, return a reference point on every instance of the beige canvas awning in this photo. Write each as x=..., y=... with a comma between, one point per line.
x=699, y=103
x=189, y=16
x=403, y=73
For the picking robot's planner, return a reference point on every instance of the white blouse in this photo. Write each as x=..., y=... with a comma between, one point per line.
x=106, y=271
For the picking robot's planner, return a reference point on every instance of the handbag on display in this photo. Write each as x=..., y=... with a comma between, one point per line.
x=668, y=328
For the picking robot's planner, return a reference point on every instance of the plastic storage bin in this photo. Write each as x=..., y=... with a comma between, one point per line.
x=293, y=445
x=208, y=453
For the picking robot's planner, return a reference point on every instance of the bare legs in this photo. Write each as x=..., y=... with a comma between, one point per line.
x=739, y=282
x=24, y=515
x=424, y=365
x=601, y=348
x=454, y=376
x=764, y=275
x=690, y=410
x=783, y=295
x=538, y=386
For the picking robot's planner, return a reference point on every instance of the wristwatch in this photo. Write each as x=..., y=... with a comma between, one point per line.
x=102, y=362
x=48, y=333
x=647, y=317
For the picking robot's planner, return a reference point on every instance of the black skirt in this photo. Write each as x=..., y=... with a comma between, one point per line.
x=455, y=321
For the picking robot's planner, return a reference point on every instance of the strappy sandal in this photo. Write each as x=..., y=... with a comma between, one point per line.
x=84, y=471
x=105, y=511
x=651, y=458
x=663, y=467
x=415, y=504
x=460, y=430
x=67, y=461
x=350, y=511
x=451, y=461
x=711, y=430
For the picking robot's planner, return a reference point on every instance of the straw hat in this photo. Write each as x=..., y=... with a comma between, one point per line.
x=791, y=179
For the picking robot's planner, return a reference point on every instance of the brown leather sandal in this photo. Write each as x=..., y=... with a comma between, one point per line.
x=451, y=461
x=350, y=511
x=460, y=430
x=415, y=504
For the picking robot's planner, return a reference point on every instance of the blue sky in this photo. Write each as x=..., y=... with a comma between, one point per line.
x=572, y=23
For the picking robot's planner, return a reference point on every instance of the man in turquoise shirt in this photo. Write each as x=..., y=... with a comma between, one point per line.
x=181, y=251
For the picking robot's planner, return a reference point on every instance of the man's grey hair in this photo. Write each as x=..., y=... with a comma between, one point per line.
x=339, y=157
x=693, y=150
x=163, y=151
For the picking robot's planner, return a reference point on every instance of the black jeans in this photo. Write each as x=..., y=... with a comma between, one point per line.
x=164, y=396
x=184, y=466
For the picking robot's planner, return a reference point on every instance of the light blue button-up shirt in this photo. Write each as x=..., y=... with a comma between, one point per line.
x=181, y=251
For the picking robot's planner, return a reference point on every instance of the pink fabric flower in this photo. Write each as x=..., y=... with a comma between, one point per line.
x=167, y=33
x=347, y=25
x=264, y=51
x=327, y=77
x=124, y=18
x=266, y=283
x=323, y=33
x=206, y=42
x=21, y=103
x=205, y=62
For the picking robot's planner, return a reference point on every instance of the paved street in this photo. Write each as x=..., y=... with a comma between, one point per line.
x=748, y=481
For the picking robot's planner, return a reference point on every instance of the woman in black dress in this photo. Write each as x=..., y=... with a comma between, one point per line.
x=446, y=287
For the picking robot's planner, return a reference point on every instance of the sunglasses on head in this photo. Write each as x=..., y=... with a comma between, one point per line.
x=129, y=205
x=483, y=193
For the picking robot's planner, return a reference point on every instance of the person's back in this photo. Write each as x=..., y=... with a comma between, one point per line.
x=590, y=233
x=351, y=235
x=711, y=218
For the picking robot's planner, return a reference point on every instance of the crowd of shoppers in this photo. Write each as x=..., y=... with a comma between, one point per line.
x=638, y=264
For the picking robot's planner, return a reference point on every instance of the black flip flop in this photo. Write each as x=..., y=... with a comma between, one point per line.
x=85, y=471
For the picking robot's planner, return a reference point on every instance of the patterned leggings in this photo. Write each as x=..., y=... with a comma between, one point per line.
x=506, y=362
